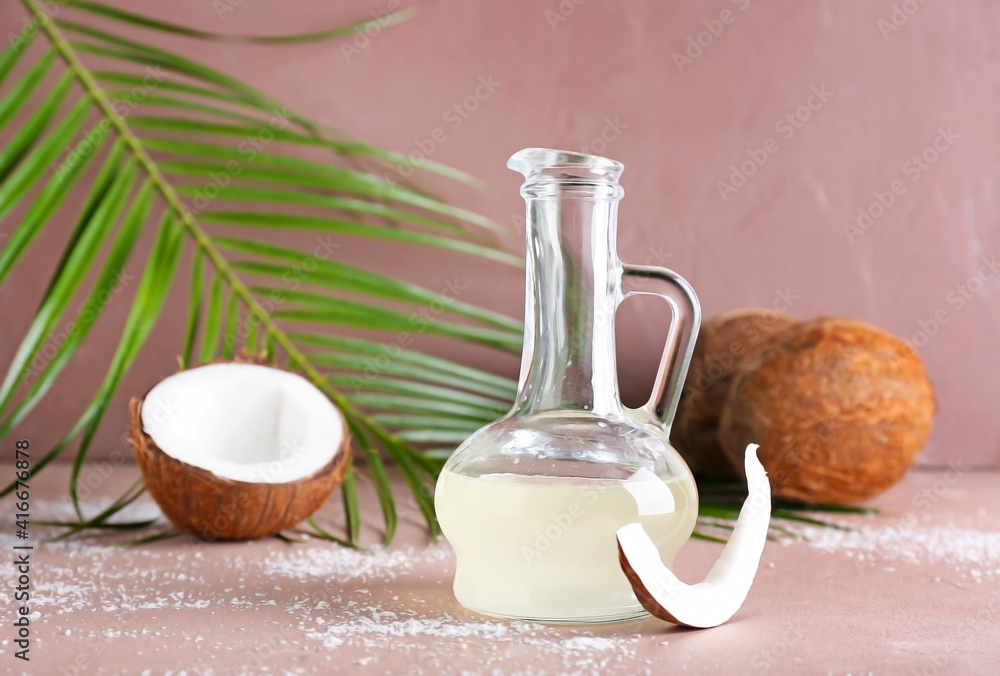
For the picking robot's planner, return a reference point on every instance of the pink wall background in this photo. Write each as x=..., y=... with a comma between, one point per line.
x=602, y=75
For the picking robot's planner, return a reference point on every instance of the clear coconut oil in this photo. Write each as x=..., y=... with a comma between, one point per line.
x=544, y=548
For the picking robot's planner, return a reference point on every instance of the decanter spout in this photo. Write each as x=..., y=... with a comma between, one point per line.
x=562, y=167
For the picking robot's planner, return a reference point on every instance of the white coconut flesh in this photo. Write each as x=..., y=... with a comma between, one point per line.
x=716, y=600
x=244, y=422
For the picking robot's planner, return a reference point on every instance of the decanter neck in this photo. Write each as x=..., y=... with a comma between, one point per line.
x=573, y=286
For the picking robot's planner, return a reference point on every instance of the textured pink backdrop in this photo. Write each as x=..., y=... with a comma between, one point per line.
x=885, y=81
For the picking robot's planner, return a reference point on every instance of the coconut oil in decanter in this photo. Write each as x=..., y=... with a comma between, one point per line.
x=544, y=548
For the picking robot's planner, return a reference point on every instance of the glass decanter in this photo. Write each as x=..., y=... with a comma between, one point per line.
x=531, y=502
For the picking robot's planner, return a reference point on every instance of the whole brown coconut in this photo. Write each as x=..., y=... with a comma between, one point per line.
x=840, y=409
x=214, y=507
x=725, y=343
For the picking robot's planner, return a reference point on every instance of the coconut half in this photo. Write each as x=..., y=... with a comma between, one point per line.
x=714, y=601
x=236, y=451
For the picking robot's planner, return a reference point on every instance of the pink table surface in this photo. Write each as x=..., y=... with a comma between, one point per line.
x=914, y=591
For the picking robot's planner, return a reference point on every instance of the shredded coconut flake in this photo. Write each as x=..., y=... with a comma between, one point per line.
x=973, y=552
x=263, y=601
x=312, y=594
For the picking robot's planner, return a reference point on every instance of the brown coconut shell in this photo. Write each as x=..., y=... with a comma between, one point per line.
x=724, y=344
x=839, y=407
x=215, y=508
x=642, y=594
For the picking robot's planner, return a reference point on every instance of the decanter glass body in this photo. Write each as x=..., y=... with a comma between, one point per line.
x=531, y=502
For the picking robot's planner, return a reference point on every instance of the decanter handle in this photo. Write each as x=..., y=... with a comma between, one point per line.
x=651, y=280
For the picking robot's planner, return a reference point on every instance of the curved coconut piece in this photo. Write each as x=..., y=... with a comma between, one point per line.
x=714, y=601
x=237, y=451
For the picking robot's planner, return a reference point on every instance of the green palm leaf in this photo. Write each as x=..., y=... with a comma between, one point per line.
x=155, y=159
x=12, y=55
x=130, y=51
x=21, y=91
x=80, y=255
x=139, y=20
